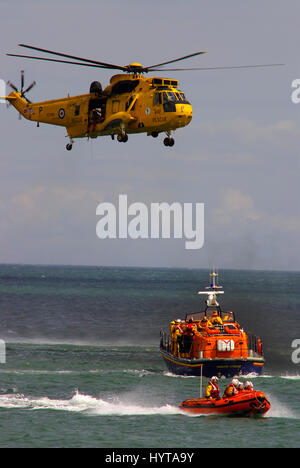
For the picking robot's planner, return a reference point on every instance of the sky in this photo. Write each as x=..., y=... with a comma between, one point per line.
x=239, y=155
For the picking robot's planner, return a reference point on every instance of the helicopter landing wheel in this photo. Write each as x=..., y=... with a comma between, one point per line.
x=168, y=141
x=122, y=138
x=154, y=134
x=69, y=146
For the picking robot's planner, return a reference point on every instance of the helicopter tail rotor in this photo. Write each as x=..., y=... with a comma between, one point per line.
x=22, y=91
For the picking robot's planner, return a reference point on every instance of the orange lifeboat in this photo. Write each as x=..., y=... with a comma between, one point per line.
x=211, y=340
x=245, y=403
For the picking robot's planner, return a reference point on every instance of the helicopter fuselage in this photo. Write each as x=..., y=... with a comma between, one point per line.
x=130, y=104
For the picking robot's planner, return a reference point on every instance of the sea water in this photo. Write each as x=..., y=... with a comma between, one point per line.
x=83, y=367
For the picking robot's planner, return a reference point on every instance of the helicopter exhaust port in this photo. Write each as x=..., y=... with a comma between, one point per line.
x=96, y=87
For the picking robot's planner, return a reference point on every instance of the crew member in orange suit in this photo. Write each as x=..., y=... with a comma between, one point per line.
x=212, y=391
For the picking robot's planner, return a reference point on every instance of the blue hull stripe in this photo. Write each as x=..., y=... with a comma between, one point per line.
x=210, y=368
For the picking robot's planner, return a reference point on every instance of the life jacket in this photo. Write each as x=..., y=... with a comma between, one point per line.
x=230, y=390
x=178, y=333
x=259, y=344
x=205, y=323
x=248, y=389
x=215, y=392
x=216, y=320
x=190, y=329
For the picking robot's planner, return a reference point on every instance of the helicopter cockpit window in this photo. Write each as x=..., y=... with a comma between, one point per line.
x=172, y=97
x=129, y=103
x=157, y=98
x=169, y=100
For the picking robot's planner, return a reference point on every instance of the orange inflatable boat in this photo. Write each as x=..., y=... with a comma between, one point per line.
x=246, y=403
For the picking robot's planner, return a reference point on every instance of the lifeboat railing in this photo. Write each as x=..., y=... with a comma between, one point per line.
x=255, y=346
x=165, y=341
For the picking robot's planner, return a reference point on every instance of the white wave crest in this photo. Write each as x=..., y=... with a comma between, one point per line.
x=86, y=404
x=280, y=410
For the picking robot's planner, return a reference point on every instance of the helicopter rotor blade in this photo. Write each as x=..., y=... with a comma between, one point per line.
x=174, y=60
x=12, y=86
x=63, y=61
x=96, y=64
x=219, y=68
x=22, y=80
x=103, y=64
x=29, y=87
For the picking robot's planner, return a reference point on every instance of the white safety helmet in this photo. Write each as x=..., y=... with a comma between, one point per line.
x=248, y=384
x=235, y=382
x=214, y=379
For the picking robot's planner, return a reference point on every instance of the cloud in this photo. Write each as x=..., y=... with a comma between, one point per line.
x=238, y=210
x=50, y=210
x=235, y=208
x=250, y=132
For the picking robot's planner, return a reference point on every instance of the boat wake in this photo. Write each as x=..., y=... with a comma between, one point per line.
x=85, y=404
x=280, y=410
x=115, y=406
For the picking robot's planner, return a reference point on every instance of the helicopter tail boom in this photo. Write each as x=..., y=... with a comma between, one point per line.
x=15, y=99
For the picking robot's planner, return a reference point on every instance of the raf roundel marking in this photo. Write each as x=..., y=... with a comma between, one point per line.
x=61, y=113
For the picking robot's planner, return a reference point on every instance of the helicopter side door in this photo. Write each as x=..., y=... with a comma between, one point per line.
x=158, y=109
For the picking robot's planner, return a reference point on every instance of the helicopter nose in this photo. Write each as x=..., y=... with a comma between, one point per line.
x=184, y=114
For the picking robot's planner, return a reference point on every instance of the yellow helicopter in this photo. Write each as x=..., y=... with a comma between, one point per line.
x=131, y=103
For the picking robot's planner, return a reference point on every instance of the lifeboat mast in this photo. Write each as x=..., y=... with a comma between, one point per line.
x=212, y=291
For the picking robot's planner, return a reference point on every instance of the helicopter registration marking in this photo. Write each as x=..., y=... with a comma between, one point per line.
x=159, y=119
